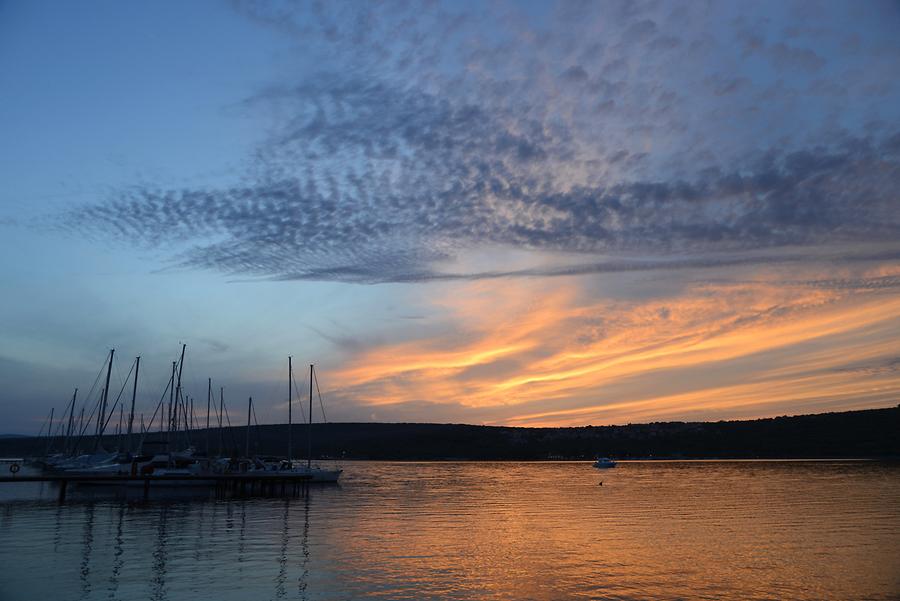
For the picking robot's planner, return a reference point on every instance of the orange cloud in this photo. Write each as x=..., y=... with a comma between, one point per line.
x=746, y=348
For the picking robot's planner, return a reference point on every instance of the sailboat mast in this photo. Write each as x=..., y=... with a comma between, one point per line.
x=171, y=400
x=208, y=404
x=50, y=431
x=71, y=418
x=221, y=416
x=247, y=444
x=137, y=368
x=101, y=418
x=309, y=432
x=119, y=428
x=81, y=428
x=290, y=455
x=178, y=398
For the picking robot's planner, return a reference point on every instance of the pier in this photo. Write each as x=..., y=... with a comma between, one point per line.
x=239, y=484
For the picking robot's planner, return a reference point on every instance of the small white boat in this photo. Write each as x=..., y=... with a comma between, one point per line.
x=288, y=468
x=320, y=474
x=81, y=462
x=604, y=462
x=300, y=473
x=182, y=464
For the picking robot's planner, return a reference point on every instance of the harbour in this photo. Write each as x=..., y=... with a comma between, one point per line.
x=72, y=456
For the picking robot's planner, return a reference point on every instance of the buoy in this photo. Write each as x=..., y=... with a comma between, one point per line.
x=601, y=483
x=14, y=468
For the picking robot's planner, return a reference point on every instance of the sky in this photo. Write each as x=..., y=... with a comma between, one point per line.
x=516, y=213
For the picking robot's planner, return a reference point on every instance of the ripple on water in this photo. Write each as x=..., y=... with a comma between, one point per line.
x=654, y=530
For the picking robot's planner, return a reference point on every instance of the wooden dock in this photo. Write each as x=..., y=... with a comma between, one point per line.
x=239, y=484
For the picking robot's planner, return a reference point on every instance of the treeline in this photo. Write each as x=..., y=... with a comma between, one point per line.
x=869, y=433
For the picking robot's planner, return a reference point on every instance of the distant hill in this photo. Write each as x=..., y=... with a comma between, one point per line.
x=869, y=433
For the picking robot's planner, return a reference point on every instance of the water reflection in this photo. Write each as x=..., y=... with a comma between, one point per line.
x=160, y=555
x=242, y=530
x=87, y=547
x=304, y=552
x=282, y=557
x=479, y=531
x=57, y=529
x=118, y=552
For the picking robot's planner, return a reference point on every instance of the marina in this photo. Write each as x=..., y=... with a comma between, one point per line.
x=83, y=460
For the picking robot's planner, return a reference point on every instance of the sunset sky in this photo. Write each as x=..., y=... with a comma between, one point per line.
x=519, y=213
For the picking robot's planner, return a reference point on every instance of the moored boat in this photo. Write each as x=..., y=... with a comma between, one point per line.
x=309, y=472
x=287, y=471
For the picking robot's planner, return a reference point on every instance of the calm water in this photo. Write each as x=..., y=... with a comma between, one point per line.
x=653, y=530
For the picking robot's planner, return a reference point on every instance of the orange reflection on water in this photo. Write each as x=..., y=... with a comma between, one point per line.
x=654, y=530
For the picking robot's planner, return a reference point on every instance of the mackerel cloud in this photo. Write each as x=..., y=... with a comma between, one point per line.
x=675, y=129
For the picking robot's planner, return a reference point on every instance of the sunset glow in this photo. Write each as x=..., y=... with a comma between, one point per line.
x=810, y=346
x=525, y=213
x=450, y=300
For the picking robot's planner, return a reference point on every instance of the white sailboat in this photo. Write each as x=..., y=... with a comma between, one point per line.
x=169, y=463
x=287, y=468
x=604, y=463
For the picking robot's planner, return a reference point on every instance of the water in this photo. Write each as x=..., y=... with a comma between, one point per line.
x=653, y=530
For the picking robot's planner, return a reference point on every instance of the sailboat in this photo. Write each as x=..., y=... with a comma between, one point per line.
x=130, y=461
x=71, y=460
x=287, y=468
